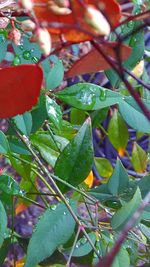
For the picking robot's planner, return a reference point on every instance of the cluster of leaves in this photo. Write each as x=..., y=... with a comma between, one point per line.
x=53, y=142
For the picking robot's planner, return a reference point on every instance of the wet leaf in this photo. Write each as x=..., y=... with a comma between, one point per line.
x=54, y=228
x=118, y=133
x=75, y=162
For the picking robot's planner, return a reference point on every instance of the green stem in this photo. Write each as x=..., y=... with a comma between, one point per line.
x=52, y=135
x=26, y=141
x=73, y=247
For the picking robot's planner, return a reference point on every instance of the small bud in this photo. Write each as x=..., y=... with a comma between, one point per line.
x=28, y=25
x=4, y=22
x=62, y=3
x=43, y=38
x=14, y=35
x=26, y=4
x=97, y=21
x=139, y=68
x=57, y=10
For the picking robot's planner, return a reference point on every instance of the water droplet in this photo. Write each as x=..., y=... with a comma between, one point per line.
x=103, y=94
x=32, y=50
x=65, y=213
x=22, y=192
x=35, y=59
x=26, y=55
x=133, y=41
x=21, y=47
x=130, y=24
x=53, y=207
x=77, y=246
x=16, y=61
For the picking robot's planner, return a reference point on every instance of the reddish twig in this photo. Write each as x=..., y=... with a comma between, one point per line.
x=108, y=260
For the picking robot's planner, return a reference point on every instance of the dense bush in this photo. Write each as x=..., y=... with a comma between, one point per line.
x=75, y=104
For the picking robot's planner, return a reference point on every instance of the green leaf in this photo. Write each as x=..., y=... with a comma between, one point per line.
x=46, y=147
x=39, y=112
x=139, y=158
x=98, y=116
x=87, y=96
x=136, y=41
x=104, y=167
x=75, y=161
x=54, y=228
x=82, y=247
x=118, y=132
x=56, y=258
x=77, y=116
x=145, y=230
x=9, y=186
x=144, y=185
x=119, y=180
x=4, y=250
x=23, y=169
x=132, y=114
x=66, y=130
x=55, y=75
x=16, y=146
x=3, y=223
x=4, y=145
x=122, y=259
x=122, y=216
x=54, y=112
x=24, y=123
x=101, y=193
x=29, y=52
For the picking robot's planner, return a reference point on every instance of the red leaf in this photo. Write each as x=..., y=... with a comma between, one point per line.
x=94, y=62
x=19, y=90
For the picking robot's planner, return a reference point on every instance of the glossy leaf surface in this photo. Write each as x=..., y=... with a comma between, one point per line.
x=122, y=215
x=75, y=162
x=54, y=228
x=88, y=96
x=118, y=132
x=3, y=223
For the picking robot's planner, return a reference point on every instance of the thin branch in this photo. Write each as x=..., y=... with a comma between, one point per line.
x=125, y=81
x=108, y=260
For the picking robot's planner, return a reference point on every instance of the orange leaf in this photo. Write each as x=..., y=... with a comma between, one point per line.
x=121, y=152
x=20, y=263
x=89, y=180
x=94, y=62
x=20, y=208
x=20, y=89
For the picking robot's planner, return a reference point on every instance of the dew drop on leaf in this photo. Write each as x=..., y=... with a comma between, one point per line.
x=130, y=24
x=26, y=55
x=16, y=61
x=21, y=47
x=103, y=94
x=53, y=207
x=35, y=59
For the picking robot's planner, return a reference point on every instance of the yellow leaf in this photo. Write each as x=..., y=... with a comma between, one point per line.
x=89, y=180
x=20, y=263
x=121, y=152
